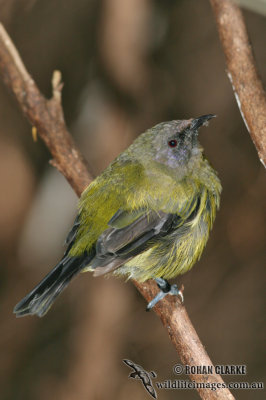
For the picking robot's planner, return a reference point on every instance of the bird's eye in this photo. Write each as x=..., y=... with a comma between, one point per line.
x=172, y=143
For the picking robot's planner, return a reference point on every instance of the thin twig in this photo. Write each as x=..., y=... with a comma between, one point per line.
x=47, y=116
x=242, y=72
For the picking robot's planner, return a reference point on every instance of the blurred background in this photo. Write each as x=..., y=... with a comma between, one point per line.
x=126, y=65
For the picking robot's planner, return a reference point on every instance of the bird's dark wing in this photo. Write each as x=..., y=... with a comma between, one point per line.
x=71, y=237
x=129, y=235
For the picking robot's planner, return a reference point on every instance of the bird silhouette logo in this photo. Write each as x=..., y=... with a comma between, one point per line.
x=144, y=376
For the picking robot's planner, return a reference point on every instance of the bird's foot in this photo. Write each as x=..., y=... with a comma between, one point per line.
x=165, y=288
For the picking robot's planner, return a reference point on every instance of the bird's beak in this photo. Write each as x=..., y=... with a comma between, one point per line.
x=203, y=120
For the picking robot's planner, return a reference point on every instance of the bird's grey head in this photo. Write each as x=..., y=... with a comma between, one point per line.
x=173, y=143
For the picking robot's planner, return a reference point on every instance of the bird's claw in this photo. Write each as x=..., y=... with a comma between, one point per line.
x=166, y=288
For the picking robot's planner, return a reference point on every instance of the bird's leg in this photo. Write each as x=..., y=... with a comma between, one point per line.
x=165, y=288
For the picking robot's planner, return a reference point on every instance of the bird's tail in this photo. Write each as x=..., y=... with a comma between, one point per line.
x=40, y=299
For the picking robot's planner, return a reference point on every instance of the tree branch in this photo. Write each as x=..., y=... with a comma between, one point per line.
x=242, y=72
x=47, y=117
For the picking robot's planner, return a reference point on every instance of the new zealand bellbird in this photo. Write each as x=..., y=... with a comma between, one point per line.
x=147, y=216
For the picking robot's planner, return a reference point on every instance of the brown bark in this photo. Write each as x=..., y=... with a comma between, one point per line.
x=242, y=72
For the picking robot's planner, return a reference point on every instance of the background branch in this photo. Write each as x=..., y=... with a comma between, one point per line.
x=47, y=116
x=242, y=72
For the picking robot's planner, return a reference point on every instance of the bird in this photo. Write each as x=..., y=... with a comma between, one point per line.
x=144, y=376
x=148, y=215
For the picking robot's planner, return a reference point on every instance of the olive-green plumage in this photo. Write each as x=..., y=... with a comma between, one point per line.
x=148, y=215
